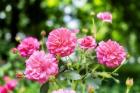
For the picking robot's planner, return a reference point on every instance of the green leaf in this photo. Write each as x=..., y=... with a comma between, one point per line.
x=44, y=88
x=94, y=82
x=73, y=75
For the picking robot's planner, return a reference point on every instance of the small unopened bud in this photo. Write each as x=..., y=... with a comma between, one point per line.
x=43, y=33
x=14, y=50
x=69, y=64
x=18, y=39
x=92, y=13
x=90, y=89
x=116, y=80
x=41, y=42
x=84, y=30
x=19, y=75
x=128, y=56
x=129, y=82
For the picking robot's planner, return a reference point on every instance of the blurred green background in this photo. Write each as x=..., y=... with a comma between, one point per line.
x=20, y=18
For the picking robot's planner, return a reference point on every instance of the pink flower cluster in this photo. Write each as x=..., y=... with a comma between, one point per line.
x=61, y=42
x=110, y=54
x=10, y=85
x=41, y=66
x=64, y=91
x=28, y=46
x=105, y=16
x=87, y=42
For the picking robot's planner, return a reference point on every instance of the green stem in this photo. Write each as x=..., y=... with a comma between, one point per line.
x=73, y=85
x=60, y=85
x=127, y=90
x=54, y=85
x=80, y=52
x=66, y=59
x=93, y=28
x=86, y=68
x=101, y=24
x=70, y=59
x=83, y=88
x=119, y=66
x=117, y=69
x=97, y=66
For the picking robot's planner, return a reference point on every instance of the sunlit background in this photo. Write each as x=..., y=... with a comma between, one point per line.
x=21, y=18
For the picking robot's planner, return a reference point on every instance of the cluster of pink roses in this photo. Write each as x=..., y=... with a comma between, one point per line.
x=62, y=42
x=10, y=85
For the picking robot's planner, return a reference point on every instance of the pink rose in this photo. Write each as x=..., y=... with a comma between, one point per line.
x=28, y=46
x=110, y=54
x=3, y=89
x=105, y=16
x=40, y=67
x=87, y=42
x=10, y=83
x=61, y=42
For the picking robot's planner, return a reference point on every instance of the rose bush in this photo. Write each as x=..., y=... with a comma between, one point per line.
x=81, y=70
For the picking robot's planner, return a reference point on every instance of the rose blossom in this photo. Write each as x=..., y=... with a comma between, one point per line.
x=40, y=67
x=61, y=42
x=10, y=83
x=3, y=89
x=105, y=16
x=28, y=46
x=110, y=53
x=14, y=50
x=87, y=42
x=64, y=91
